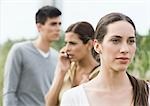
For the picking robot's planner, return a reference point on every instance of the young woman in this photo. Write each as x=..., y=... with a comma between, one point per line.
x=115, y=41
x=76, y=63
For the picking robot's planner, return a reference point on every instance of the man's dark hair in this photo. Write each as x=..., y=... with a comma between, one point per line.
x=46, y=12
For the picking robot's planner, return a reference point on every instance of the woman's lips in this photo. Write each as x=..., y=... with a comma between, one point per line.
x=123, y=60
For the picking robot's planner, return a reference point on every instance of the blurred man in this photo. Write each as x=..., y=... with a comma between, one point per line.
x=30, y=65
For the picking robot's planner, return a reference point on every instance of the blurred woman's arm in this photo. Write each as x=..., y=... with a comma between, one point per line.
x=61, y=69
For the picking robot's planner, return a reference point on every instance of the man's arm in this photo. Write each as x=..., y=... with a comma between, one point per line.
x=11, y=77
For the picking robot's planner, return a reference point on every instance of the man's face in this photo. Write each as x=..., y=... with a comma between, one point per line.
x=50, y=31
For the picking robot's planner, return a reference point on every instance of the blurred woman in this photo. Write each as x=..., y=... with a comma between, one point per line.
x=76, y=63
x=115, y=41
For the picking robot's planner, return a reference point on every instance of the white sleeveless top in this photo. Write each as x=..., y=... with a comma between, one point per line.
x=77, y=97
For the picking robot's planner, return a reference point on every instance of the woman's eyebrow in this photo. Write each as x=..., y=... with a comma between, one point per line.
x=117, y=36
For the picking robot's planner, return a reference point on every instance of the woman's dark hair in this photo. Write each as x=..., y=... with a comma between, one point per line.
x=46, y=12
x=84, y=30
x=101, y=29
x=140, y=91
x=140, y=87
x=85, y=33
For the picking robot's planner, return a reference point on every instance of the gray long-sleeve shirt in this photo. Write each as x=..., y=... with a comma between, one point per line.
x=28, y=75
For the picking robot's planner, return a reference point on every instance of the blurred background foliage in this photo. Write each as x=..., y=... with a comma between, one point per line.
x=140, y=67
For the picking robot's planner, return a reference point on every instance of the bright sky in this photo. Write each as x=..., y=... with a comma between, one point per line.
x=17, y=16
x=93, y=10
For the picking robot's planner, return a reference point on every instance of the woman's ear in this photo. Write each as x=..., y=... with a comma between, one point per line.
x=97, y=46
x=89, y=45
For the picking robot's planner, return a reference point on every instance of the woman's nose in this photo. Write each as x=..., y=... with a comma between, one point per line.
x=67, y=47
x=124, y=48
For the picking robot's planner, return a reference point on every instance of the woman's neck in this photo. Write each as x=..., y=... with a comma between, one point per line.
x=112, y=80
x=87, y=64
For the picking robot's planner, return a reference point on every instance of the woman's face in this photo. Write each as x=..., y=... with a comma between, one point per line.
x=75, y=47
x=118, y=46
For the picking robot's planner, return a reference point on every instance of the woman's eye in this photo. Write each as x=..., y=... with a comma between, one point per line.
x=131, y=41
x=72, y=43
x=115, y=41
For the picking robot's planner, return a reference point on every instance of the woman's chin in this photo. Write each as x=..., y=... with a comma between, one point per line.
x=73, y=60
x=122, y=69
